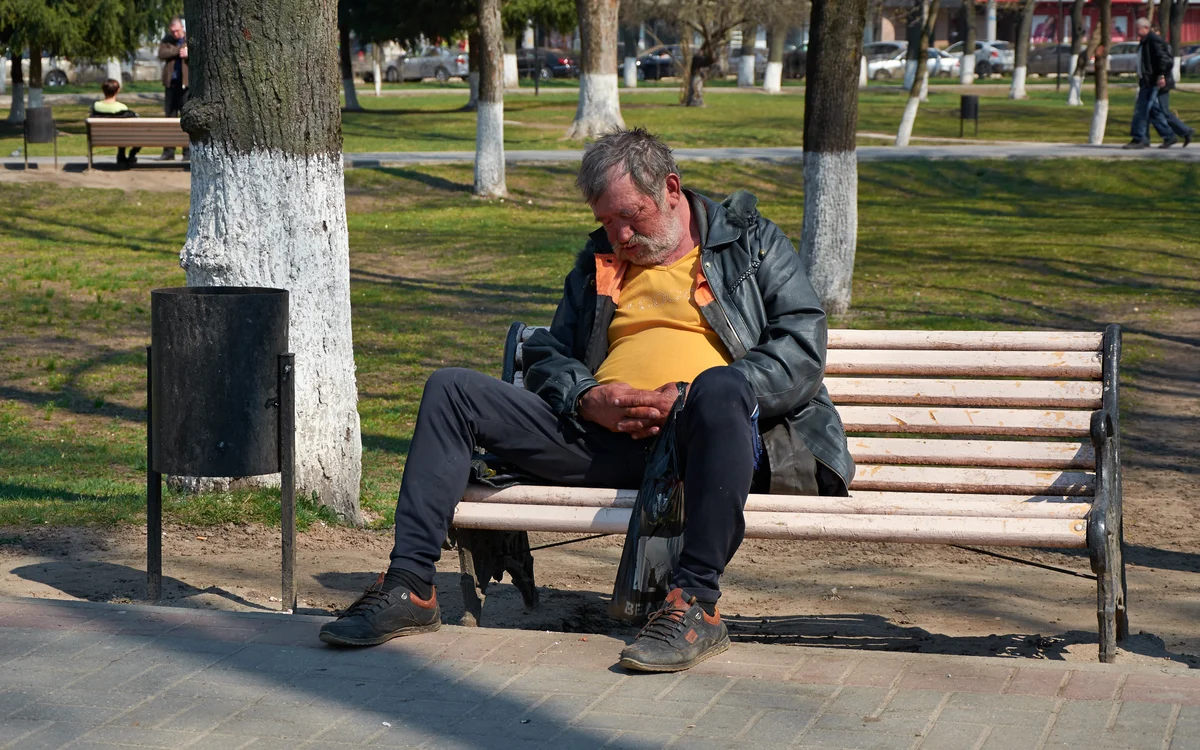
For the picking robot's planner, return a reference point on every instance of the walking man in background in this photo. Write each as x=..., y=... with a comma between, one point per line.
x=173, y=52
x=1156, y=78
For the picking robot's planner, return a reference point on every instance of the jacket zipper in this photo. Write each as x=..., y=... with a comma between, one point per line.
x=725, y=315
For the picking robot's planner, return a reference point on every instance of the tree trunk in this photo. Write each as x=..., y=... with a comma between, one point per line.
x=112, y=69
x=928, y=17
x=1024, y=34
x=599, y=109
x=476, y=47
x=1174, y=24
x=377, y=68
x=268, y=207
x=773, y=77
x=745, y=76
x=696, y=75
x=629, y=64
x=966, y=70
x=1079, y=56
x=991, y=20
x=512, y=76
x=489, y=118
x=830, y=231
x=346, y=67
x=1100, y=112
x=35, y=75
x=16, y=110
x=862, y=73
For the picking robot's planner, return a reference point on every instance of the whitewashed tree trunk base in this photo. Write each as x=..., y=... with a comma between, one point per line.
x=599, y=110
x=512, y=76
x=489, y=150
x=910, y=74
x=1017, y=89
x=1099, y=123
x=1075, y=92
x=16, y=110
x=630, y=69
x=966, y=69
x=907, y=120
x=112, y=69
x=924, y=92
x=773, y=78
x=377, y=74
x=1177, y=70
x=351, y=94
x=35, y=98
x=862, y=73
x=745, y=79
x=274, y=219
x=830, y=232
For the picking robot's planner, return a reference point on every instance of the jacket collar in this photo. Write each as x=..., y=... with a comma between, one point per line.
x=711, y=219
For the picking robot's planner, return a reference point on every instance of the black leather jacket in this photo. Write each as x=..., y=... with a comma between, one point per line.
x=1154, y=60
x=762, y=307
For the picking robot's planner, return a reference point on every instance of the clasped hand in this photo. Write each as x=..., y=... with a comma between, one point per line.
x=622, y=408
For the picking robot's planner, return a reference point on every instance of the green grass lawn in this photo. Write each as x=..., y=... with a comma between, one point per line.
x=434, y=122
x=437, y=276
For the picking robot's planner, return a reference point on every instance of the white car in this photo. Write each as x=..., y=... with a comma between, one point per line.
x=940, y=64
x=59, y=71
x=990, y=57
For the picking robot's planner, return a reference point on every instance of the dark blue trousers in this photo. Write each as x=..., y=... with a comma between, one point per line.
x=1153, y=107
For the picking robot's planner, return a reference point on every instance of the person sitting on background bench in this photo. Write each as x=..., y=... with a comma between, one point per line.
x=672, y=288
x=110, y=107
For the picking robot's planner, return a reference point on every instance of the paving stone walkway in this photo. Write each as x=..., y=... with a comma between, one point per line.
x=88, y=675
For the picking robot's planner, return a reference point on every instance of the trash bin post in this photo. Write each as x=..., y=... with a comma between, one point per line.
x=287, y=476
x=153, y=495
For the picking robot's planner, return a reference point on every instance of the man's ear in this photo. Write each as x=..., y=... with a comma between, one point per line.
x=674, y=190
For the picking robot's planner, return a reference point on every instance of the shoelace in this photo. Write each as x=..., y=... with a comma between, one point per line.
x=371, y=600
x=664, y=624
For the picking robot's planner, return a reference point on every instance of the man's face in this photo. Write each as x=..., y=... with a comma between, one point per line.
x=638, y=229
x=176, y=29
x=1142, y=31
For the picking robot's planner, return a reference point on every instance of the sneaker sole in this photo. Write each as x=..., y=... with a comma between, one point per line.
x=335, y=640
x=717, y=648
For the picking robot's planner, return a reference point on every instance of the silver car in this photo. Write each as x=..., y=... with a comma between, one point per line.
x=1122, y=59
x=940, y=64
x=441, y=63
x=990, y=57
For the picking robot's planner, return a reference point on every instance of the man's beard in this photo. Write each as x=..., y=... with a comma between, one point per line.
x=642, y=250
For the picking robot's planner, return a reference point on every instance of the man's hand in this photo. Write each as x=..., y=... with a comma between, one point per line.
x=622, y=408
x=1162, y=82
x=183, y=52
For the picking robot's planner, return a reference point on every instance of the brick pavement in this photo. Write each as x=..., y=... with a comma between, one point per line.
x=87, y=675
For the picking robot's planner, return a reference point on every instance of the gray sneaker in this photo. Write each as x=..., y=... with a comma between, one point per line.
x=378, y=616
x=678, y=636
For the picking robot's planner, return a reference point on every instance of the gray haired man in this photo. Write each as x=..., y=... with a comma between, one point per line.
x=672, y=290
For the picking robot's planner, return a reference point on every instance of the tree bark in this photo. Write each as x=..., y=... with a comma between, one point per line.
x=347, y=69
x=1021, y=68
x=377, y=68
x=475, y=42
x=696, y=75
x=35, y=75
x=773, y=77
x=629, y=35
x=112, y=69
x=1079, y=57
x=512, y=75
x=745, y=76
x=268, y=206
x=16, y=110
x=991, y=20
x=489, y=117
x=599, y=109
x=928, y=17
x=830, y=231
x=966, y=70
x=1100, y=112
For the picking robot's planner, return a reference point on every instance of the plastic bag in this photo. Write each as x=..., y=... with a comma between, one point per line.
x=655, y=536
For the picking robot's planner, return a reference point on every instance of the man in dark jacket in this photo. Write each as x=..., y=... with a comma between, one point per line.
x=173, y=51
x=1156, y=78
x=673, y=293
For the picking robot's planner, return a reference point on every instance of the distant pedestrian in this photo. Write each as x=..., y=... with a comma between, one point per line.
x=110, y=107
x=1156, y=78
x=173, y=52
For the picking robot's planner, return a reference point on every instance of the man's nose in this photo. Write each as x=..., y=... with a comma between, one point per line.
x=624, y=234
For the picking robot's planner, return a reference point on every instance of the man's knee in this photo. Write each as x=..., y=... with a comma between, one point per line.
x=720, y=393
x=449, y=381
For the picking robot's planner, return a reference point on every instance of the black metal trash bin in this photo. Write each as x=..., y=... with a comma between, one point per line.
x=968, y=110
x=220, y=396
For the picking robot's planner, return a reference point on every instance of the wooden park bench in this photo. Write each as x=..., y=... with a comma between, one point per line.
x=960, y=437
x=133, y=132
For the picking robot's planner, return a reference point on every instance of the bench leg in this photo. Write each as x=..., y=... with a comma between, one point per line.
x=484, y=556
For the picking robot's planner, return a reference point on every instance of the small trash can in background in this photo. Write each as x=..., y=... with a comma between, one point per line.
x=968, y=110
x=220, y=400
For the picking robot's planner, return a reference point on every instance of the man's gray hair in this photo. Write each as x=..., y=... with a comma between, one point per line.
x=637, y=153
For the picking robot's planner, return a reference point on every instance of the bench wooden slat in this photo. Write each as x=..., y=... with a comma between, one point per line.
x=1064, y=394
x=882, y=503
x=1060, y=365
x=1000, y=481
x=997, y=453
x=1015, y=532
x=954, y=421
x=1031, y=341
x=135, y=131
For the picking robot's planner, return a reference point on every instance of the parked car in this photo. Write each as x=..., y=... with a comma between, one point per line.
x=990, y=57
x=59, y=71
x=658, y=62
x=1190, y=65
x=551, y=63
x=1048, y=59
x=875, y=51
x=1122, y=59
x=441, y=63
x=940, y=64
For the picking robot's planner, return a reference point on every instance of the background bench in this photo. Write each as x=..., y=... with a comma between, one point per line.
x=132, y=132
x=961, y=437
